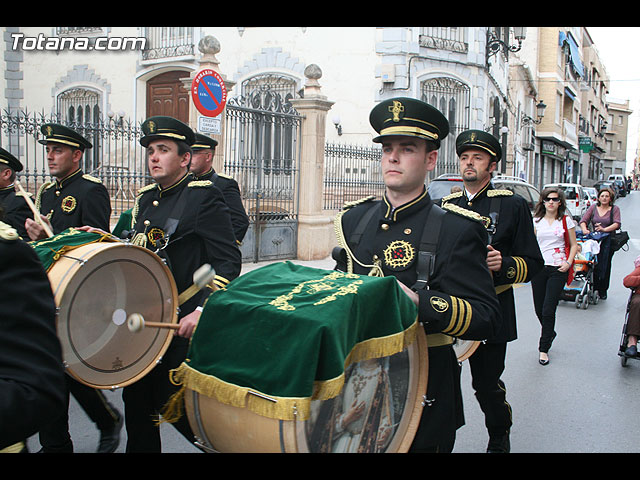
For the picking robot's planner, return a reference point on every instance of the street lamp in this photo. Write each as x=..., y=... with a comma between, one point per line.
x=494, y=44
x=540, y=108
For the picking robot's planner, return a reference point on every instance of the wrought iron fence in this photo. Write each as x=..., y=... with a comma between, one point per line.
x=351, y=172
x=117, y=158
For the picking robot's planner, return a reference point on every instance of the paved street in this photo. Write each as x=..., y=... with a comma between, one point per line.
x=584, y=401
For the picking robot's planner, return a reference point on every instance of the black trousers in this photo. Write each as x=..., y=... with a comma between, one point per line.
x=145, y=399
x=547, y=288
x=487, y=366
x=602, y=272
x=95, y=405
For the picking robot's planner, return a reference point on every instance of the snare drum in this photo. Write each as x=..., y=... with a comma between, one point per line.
x=97, y=286
x=294, y=359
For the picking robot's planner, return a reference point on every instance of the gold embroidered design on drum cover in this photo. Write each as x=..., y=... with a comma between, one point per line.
x=399, y=254
x=68, y=204
x=312, y=287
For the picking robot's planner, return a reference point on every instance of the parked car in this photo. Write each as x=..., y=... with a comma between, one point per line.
x=593, y=195
x=608, y=184
x=576, y=198
x=620, y=182
x=441, y=186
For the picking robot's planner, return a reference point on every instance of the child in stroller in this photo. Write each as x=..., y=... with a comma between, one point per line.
x=580, y=288
x=631, y=328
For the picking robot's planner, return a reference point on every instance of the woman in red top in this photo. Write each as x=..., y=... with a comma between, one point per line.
x=633, y=321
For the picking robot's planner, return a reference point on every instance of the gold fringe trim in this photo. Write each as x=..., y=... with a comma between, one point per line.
x=281, y=408
x=106, y=237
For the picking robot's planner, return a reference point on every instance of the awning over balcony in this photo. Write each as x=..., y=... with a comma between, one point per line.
x=574, y=52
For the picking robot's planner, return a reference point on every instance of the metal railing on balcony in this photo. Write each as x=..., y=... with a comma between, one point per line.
x=166, y=42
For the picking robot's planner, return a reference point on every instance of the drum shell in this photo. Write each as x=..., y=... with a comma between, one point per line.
x=465, y=348
x=90, y=284
x=228, y=429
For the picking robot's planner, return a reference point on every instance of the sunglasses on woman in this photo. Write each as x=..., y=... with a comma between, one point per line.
x=551, y=199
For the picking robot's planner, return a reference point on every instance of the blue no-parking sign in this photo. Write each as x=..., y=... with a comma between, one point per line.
x=209, y=92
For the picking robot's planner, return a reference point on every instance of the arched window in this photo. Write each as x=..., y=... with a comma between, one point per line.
x=452, y=98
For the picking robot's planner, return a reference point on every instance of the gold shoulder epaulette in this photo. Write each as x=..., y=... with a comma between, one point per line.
x=463, y=212
x=224, y=175
x=348, y=205
x=7, y=232
x=451, y=196
x=200, y=183
x=499, y=193
x=146, y=188
x=91, y=178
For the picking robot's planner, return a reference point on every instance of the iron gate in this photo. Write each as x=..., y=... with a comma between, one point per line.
x=261, y=151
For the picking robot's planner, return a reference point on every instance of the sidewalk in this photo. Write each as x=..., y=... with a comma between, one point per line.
x=326, y=264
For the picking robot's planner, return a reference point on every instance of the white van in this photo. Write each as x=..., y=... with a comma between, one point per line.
x=575, y=196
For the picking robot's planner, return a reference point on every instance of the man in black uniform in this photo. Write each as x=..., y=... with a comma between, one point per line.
x=186, y=221
x=32, y=388
x=384, y=238
x=74, y=199
x=16, y=210
x=202, y=167
x=513, y=257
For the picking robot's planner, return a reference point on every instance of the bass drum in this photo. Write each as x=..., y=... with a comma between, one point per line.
x=465, y=348
x=377, y=410
x=96, y=287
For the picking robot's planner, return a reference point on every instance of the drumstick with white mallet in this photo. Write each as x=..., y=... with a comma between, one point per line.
x=201, y=278
x=34, y=210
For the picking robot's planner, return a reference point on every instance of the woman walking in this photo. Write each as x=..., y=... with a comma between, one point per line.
x=556, y=234
x=604, y=217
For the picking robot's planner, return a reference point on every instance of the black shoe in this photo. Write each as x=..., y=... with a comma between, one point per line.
x=499, y=443
x=110, y=438
x=631, y=351
x=544, y=362
x=603, y=296
x=66, y=448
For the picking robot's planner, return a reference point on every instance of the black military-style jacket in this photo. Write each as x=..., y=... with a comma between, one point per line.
x=32, y=375
x=189, y=222
x=15, y=208
x=75, y=201
x=514, y=238
x=231, y=193
x=460, y=300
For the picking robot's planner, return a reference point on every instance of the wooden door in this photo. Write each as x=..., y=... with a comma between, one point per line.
x=166, y=95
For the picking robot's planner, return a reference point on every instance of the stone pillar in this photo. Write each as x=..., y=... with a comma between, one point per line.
x=316, y=236
x=209, y=46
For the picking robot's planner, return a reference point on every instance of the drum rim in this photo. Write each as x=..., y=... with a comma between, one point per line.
x=85, y=253
x=292, y=433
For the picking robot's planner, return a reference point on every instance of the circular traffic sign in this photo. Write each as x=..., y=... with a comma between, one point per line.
x=209, y=92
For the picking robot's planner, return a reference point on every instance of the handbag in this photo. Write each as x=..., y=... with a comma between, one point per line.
x=618, y=239
x=567, y=250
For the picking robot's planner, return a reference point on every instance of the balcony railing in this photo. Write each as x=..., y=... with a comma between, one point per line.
x=168, y=42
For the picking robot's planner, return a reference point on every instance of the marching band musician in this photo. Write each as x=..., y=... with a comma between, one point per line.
x=187, y=223
x=32, y=390
x=16, y=209
x=202, y=167
x=455, y=295
x=73, y=199
x=513, y=257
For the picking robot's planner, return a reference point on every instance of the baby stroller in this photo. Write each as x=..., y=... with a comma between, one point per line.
x=623, y=341
x=582, y=290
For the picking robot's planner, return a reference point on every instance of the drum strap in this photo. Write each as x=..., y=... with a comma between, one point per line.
x=428, y=247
